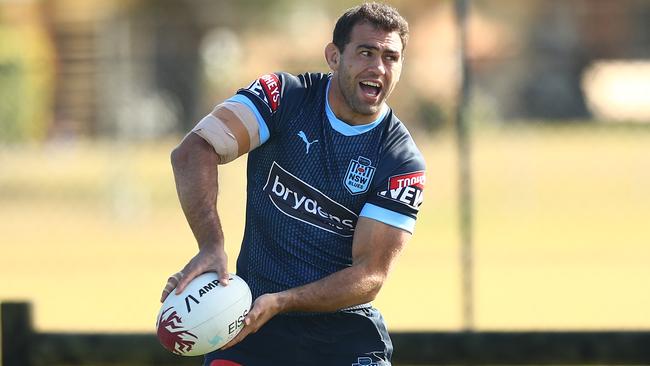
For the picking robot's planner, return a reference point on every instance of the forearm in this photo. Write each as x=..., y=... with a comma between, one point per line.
x=195, y=172
x=374, y=251
x=351, y=286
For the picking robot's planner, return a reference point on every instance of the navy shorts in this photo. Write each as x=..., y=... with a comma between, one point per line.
x=345, y=338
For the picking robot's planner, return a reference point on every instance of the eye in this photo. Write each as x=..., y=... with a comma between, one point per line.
x=366, y=53
x=392, y=58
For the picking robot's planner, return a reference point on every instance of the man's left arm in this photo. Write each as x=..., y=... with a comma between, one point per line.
x=375, y=248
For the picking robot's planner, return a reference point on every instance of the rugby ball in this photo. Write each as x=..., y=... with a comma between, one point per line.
x=205, y=316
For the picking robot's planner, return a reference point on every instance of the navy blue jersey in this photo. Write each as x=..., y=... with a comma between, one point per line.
x=311, y=179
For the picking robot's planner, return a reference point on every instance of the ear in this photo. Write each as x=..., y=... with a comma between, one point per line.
x=332, y=56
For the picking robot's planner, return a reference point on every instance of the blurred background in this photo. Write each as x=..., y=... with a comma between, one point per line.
x=95, y=94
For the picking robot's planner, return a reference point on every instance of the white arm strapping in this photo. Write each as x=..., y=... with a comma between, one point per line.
x=218, y=132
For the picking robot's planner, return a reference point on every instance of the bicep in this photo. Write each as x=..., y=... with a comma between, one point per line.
x=377, y=245
x=231, y=129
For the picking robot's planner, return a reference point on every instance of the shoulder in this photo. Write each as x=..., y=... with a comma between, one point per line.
x=399, y=179
x=305, y=80
x=272, y=91
x=399, y=148
x=302, y=85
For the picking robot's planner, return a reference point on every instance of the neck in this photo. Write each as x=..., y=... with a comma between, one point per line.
x=343, y=111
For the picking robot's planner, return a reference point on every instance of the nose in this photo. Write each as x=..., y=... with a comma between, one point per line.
x=377, y=65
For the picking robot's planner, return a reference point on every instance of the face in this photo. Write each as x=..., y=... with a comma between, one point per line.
x=366, y=72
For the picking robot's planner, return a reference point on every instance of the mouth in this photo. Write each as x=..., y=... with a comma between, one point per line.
x=370, y=89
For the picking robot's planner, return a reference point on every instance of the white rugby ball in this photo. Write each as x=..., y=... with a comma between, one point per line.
x=205, y=316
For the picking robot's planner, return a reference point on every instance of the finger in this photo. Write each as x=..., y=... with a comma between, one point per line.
x=224, y=277
x=172, y=282
x=188, y=276
x=244, y=332
x=164, y=294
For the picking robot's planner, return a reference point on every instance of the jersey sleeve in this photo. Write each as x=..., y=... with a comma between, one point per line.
x=397, y=193
x=269, y=97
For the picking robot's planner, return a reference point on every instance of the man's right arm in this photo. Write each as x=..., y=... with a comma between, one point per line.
x=230, y=131
x=194, y=163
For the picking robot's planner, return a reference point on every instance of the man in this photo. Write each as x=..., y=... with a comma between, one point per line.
x=334, y=185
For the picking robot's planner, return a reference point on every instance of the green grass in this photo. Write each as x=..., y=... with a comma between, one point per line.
x=90, y=232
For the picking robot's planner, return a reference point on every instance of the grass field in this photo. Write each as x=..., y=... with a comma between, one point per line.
x=90, y=231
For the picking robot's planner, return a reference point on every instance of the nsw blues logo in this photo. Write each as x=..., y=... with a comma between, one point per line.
x=359, y=175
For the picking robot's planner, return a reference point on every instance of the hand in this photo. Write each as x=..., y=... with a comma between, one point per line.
x=264, y=308
x=204, y=261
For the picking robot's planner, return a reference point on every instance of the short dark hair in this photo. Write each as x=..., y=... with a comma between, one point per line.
x=382, y=16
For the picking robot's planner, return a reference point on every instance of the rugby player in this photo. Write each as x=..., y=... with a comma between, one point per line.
x=334, y=184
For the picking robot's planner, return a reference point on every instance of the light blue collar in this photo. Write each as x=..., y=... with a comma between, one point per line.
x=344, y=128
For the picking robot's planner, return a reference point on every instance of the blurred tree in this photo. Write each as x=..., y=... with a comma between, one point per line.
x=430, y=115
x=26, y=73
x=556, y=60
x=175, y=30
x=538, y=74
x=175, y=58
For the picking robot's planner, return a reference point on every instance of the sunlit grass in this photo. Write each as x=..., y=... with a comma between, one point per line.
x=90, y=232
